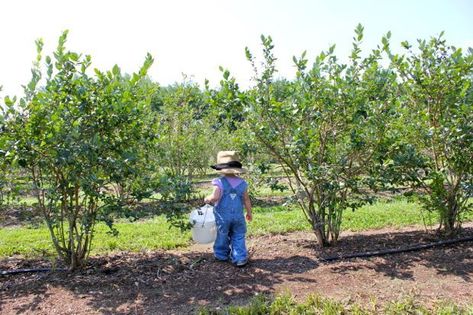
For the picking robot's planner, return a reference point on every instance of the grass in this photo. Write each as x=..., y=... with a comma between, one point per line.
x=24, y=200
x=394, y=214
x=134, y=236
x=152, y=234
x=314, y=304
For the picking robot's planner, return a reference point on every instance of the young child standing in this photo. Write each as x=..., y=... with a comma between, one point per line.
x=230, y=196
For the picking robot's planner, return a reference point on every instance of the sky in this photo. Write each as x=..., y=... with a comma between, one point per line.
x=193, y=38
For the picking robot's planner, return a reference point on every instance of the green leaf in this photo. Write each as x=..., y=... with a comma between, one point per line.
x=248, y=54
x=359, y=32
x=406, y=45
x=73, y=56
x=116, y=70
x=226, y=74
x=9, y=102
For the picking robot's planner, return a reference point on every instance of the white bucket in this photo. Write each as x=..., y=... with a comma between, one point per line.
x=204, y=229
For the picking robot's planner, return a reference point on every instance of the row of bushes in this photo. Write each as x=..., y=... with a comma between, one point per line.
x=92, y=145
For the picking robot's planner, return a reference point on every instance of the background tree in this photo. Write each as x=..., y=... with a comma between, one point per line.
x=227, y=110
x=184, y=130
x=2, y=153
x=3, y=163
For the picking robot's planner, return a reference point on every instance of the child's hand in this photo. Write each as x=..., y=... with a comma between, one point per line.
x=213, y=197
x=249, y=217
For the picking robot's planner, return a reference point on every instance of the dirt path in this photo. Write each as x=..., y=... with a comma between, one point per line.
x=179, y=282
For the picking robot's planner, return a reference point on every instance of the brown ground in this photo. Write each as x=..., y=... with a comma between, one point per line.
x=179, y=282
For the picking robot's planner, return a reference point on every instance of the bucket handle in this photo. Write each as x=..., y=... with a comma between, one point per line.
x=205, y=216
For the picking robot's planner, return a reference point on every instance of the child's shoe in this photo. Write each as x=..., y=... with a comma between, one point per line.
x=221, y=260
x=241, y=263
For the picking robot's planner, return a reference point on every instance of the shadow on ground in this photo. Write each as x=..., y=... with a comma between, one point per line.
x=182, y=282
x=157, y=283
x=454, y=259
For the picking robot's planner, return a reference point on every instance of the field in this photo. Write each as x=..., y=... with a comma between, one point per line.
x=151, y=269
x=375, y=145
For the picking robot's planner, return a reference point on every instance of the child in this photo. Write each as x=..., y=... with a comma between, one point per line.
x=230, y=195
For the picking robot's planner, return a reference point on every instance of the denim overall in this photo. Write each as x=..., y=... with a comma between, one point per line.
x=231, y=225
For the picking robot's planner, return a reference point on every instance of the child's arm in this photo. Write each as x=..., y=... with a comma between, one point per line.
x=214, y=196
x=247, y=203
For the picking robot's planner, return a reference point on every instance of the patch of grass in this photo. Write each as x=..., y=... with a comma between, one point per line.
x=155, y=233
x=24, y=200
x=141, y=235
x=316, y=304
x=133, y=236
x=278, y=219
x=395, y=214
x=265, y=191
x=26, y=241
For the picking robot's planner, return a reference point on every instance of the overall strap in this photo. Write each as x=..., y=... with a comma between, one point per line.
x=239, y=189
x=226, y=185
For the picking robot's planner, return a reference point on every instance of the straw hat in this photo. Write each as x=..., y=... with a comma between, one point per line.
x=228, y=162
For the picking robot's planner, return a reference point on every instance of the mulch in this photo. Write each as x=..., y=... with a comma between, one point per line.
x=183, y=281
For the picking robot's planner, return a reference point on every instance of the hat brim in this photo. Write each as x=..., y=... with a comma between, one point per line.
x=232, y=171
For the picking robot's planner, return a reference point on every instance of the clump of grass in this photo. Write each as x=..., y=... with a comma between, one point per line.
x=316, y=304
x=405, y=306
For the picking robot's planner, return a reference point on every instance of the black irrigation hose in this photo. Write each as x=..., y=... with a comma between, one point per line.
x=18, y=271
x=327, y=259
x=396, y=250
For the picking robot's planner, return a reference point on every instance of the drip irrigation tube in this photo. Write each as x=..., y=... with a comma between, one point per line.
x=396, y=250
x=326, y=259
x=18, y=271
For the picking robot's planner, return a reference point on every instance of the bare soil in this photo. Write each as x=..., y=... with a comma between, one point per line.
x=181, y=282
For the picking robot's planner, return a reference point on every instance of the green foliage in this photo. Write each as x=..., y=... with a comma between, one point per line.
x=6, y=185
x=77, y=136
x=324, y=129
x=228, y=103
x=9, y=190
x=406, y=306
x=185, y=139
x=184, y=144
x=95, y=145
x=176, y=192
x=435, y=131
